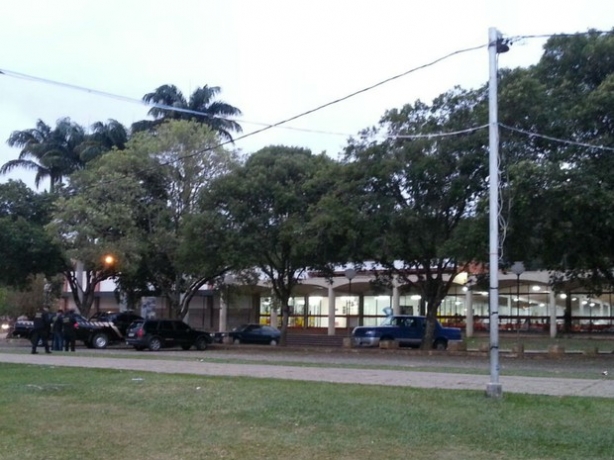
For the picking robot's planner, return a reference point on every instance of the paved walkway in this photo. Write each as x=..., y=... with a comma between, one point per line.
x=602, y=387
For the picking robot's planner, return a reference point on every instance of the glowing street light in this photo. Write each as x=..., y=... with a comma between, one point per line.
x=109, y=260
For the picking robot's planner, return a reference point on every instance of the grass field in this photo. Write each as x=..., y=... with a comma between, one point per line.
x=541, y=342
x=67, y=413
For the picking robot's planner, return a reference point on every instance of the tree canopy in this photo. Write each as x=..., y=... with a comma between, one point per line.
x=56, y=153
x=266, y=207
x=417, y=198
x=170, y=104
x=26, y=248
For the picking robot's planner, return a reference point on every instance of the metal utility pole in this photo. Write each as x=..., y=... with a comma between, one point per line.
x=495, y=45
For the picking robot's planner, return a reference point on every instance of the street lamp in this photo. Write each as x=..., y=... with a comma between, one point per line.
x=350, y=274
x=517, y=269
x=109, y=260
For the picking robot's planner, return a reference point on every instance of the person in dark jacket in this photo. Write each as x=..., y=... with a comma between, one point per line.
x=56, y=329
x=69, y=323
x=40, y=332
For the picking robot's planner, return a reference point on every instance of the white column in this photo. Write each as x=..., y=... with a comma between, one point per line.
x=601, y=309
x=396, y=297
x=274, y=318
x=79, y=276
x=331, y=310
x=552, y=306
x=469, y=313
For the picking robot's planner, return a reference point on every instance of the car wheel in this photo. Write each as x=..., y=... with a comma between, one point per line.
x=185, y=347
x=201, y=343
x=154, y=344
x=273, y=342
x=440, y=345
x=236, y=341
x=100, y=340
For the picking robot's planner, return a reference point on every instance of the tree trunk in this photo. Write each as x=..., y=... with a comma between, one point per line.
x=431, y=318
x=285, y=319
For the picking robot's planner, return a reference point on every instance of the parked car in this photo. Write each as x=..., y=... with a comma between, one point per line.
x=254, y=333
x=122, y=320
x=164, y=333
x=97, y=333
x=406, y=330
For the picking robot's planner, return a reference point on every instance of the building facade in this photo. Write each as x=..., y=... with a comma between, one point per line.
x=334, y=306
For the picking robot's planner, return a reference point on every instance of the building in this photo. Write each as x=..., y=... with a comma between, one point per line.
x=527, y=302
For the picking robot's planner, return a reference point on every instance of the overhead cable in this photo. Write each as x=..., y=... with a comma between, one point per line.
x=265, y=128
x=441, y=134
x=556, y=139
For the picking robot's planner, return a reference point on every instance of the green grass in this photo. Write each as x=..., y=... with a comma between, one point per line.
x=68, y=413
x=574, y=343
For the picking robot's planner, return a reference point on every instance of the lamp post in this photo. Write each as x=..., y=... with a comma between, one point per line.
x=517, y=269
x=350, y=274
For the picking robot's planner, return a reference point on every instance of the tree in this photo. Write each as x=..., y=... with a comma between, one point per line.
x=51, y=153
x=563, y=192
x=103, y=138
x=56, y=153
x=134, y=204
x=266, y=207
x=25, y=247
x=418, y=199
x=192, y=161
x=98, y=215
x=202, y=107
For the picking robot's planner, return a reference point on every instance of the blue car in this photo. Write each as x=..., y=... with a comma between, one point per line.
x=255, y=333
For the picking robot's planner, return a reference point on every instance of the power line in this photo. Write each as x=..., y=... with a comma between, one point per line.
x=440, y=134
x=519, y=38
x=258, y=131
x=556, y=139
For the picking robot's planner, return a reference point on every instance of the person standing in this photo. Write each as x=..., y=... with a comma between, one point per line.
x=58, y=337
x=69, y=323
x=42, y=324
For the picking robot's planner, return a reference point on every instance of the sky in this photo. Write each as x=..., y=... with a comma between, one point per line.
x=273, y=59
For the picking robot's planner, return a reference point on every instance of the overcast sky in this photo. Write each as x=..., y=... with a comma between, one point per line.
x=272, y=58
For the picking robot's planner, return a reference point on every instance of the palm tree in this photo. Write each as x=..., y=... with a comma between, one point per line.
x=104, y=137
x=51, y=153
x=57, y=153
x=201, y=107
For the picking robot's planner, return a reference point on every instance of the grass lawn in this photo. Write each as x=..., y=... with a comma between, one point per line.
x=69, y=413
x=541, y=342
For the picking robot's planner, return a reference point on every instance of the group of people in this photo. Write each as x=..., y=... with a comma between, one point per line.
x=61, y=326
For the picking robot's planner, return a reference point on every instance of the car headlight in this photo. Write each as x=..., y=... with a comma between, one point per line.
x=5, y=326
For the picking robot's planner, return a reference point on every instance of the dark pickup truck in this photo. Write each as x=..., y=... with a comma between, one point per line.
x=94, y=333
x=407, y=330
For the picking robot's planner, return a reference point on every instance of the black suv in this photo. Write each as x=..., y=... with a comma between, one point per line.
x=163, y=333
